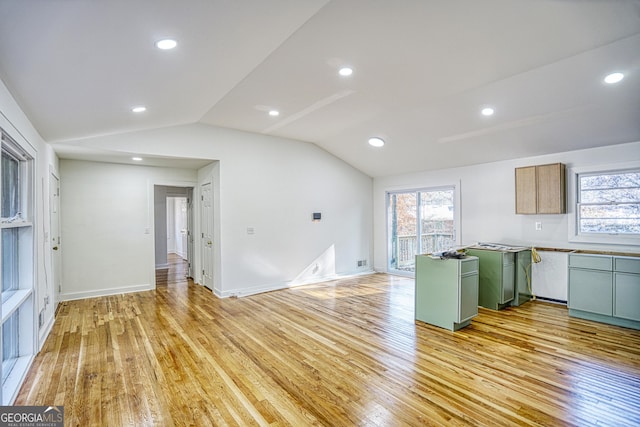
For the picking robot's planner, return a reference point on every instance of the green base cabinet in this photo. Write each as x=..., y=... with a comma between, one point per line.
x=497, y=277
x=605, y=288
x=446, y=291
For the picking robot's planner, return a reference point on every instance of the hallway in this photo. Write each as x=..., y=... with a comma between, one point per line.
x=177, y=271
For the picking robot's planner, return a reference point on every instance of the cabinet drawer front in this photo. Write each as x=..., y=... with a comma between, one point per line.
x=627, y=265
x=592, y=262
x=591, y=291
x=469, y=265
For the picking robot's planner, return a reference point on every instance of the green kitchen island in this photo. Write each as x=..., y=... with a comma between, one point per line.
x=446, y=291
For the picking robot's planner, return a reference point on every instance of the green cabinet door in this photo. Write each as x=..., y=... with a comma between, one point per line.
x=605, y=288
x=627, y=296
x=591, y=290
x=468, y=297
x=497, y=277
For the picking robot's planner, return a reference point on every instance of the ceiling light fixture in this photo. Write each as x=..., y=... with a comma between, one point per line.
x=613, y=78
x=166, y=44
x=136, y=159
x=487, y=111
x=345, y=71
x=274, y=113
x=139, y=109
x=376, y=142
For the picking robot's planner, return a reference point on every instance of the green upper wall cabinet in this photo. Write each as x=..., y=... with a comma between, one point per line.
x=541, y=189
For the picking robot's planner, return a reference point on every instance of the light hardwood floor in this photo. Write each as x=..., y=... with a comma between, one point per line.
x=340, y=353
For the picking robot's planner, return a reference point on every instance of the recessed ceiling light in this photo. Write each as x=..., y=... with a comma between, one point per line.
x=376, y=142
x=274, y=113
x=613, y=78
x=487, y=111
x=139, y=109
x=166, y=44
x=137, y=159
x=345, y=71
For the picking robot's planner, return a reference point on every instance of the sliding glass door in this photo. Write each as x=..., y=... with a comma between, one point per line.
x=421, y=221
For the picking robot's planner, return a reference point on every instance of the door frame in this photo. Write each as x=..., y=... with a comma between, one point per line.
x=207, y=247
x=55, y=241
x=151, y=229
x=456, y=218
x=190, y=233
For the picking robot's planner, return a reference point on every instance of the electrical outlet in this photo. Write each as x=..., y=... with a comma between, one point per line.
x=538, y=225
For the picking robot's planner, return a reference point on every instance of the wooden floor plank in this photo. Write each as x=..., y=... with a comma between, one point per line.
x=345, y=352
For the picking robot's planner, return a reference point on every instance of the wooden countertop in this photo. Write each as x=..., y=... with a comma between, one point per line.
x=589, y=251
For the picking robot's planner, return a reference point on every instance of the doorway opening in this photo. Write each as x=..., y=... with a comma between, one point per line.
x=173, y=234
x=420, y=221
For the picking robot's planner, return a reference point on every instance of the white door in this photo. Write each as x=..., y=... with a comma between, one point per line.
x=56, y=265
x=206, y=224
x=190, y=273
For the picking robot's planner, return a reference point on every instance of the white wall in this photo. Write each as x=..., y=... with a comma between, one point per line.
x=108, y=226
x=272, y=185
x=16, y=123
x=488, y=208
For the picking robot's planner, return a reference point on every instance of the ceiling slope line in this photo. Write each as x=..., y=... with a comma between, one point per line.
x=310, y=109
x=527, y=121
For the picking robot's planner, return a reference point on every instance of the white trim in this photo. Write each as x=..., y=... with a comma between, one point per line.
x=105, y=292
x=14, y=381
x=17, y=136
x=44, y=332
x=572, y=194
x=14, y=302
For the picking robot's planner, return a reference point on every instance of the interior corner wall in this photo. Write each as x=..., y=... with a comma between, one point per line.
x=107, y=226
x=488, y=207
x=268, y=188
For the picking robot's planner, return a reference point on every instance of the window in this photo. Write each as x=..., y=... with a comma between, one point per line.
x=10, y=347
x=607, y=206
x=609, y=203
x=16, y=263
x=422, y=221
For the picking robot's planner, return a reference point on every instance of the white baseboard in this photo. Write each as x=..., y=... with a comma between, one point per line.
x=105, y=292
x=161, y=266
x=44, y=332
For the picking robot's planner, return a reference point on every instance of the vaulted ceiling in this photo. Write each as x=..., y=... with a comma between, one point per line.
x=422, y=71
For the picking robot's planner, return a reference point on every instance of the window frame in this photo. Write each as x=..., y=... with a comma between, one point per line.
x=19, y=305
x=574, y=203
